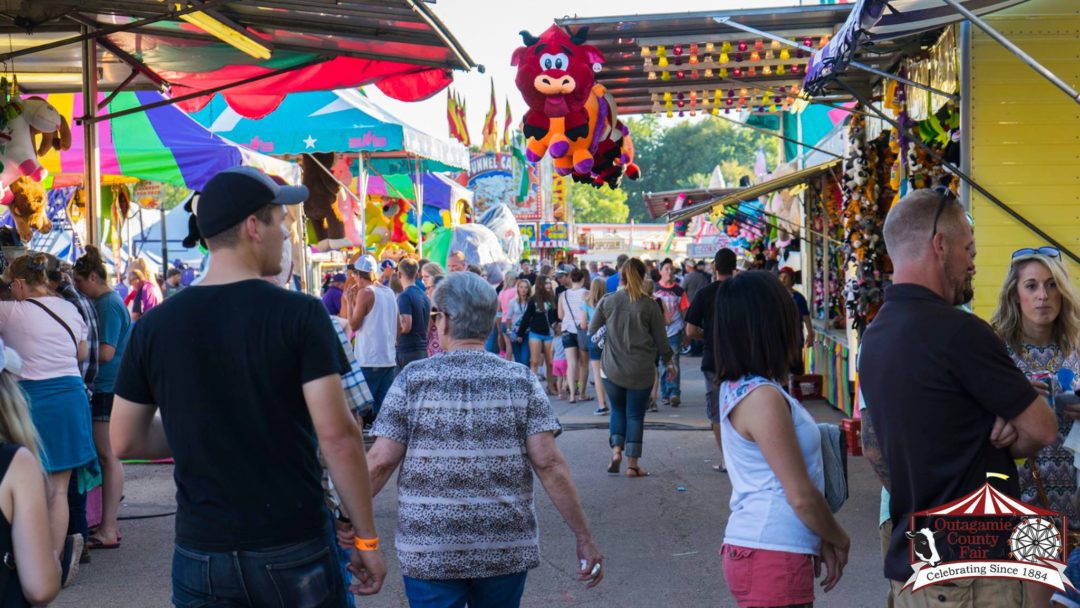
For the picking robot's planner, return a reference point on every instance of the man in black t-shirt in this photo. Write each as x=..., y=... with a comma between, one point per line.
x=699, y=326
x=247, y=377
x=948, y=410
x=806, y=331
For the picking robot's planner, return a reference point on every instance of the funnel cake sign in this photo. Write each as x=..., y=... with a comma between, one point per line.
x=987, y=534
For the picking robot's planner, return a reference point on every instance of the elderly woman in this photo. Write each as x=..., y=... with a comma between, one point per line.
x=469, y=430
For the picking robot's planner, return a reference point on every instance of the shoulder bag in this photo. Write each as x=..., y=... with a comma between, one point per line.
x=55, y=316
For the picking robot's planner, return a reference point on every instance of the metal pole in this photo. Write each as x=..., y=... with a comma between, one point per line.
x=419, y=189
x=164, y=241
x=91, y=154
x=855, y=64
x=1015, y=50
x=965, y=110
x=965, y=177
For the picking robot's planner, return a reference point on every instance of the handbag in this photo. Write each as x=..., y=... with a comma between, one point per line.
x=1044, y=499
x=834, y=464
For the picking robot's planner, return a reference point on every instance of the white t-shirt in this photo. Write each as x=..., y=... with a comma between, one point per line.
x=46, y=348
x=573, y=303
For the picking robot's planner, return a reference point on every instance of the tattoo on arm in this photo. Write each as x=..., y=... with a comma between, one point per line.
x=872, y=452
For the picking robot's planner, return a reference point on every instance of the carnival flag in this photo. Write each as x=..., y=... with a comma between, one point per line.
x=455, y=116
x=506, y=126
x=490, y=134
x=463, y=121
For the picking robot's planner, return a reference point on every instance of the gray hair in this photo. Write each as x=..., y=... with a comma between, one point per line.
x=470, y=302
x=910, y=223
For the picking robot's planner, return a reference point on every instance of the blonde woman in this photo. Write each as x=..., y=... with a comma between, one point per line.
x=1038, y=317
x=24, y=528
x=597, y=291
x=635, y=335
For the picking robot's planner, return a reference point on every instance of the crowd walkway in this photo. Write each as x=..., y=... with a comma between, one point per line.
x=659, y=534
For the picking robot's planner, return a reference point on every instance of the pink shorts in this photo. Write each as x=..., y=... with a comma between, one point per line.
x=558, y=368
x=759, y=577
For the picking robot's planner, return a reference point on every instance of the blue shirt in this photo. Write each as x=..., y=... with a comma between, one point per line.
x=114, y=329
x=414, y=302
x=613, y=283
x=332, y=300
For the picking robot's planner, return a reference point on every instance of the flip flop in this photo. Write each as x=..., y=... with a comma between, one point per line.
x=94, y=542
x=613, y=468
x=637, y=472
x=585, y=398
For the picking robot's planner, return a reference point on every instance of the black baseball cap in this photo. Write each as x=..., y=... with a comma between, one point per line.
x=233, y=194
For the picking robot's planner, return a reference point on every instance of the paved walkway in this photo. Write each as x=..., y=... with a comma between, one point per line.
x=660, y=535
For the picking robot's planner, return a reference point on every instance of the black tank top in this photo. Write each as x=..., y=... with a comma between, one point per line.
x=11, y=594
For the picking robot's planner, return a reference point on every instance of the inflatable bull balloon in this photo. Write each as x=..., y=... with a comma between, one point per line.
x=570, y=116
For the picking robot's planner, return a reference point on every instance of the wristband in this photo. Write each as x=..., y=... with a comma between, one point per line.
x=366, y=544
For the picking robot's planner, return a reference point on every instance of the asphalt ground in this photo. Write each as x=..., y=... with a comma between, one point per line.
x=660, y=535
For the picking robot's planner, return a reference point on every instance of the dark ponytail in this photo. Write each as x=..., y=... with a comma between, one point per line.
x=91, y=263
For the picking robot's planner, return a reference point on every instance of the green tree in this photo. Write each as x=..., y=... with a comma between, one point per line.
x=598, y=205
x=683, y=155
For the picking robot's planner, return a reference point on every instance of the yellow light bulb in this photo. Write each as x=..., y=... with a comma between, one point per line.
x=785, y=53
x=645, y=51
x=724, y=58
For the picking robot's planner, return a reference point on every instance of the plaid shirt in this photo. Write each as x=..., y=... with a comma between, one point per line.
x=357, y=394
x=89, y=368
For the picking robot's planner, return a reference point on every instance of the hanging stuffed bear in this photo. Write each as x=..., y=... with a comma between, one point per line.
x=321, y=204
x=29, y=206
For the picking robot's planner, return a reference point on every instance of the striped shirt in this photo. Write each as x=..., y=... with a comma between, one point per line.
x=465, y=502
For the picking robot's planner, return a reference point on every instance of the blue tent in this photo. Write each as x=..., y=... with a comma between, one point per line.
x=332, y=121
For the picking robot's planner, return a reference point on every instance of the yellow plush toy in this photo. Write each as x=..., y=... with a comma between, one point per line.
x=377, y=226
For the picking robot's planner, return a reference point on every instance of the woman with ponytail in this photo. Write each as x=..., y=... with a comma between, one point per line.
x=114, y=329
x=634, y=335
x=50, y=334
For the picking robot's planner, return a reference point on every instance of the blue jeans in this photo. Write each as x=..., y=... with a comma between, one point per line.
x=300, y=575
x=521, y=350
x=406, y=357
x=627, y=416
x=493, y=592
x=670, y=388
x=378, y=380
x=492, y=345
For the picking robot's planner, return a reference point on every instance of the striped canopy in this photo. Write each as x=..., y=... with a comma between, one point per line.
x=163, y=144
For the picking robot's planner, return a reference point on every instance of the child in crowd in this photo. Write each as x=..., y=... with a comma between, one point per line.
x=558, y=363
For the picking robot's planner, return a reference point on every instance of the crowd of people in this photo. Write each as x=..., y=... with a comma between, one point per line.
x=263, y=397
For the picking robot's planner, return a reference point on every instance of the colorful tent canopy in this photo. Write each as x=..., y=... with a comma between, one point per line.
x=399, y=45
x=331, y=121
x=439, y=191
x=162, y=144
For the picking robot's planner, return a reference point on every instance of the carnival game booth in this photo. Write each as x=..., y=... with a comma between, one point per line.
x=254, y=53
x=157, y=151
x=900, y=80
x=369, y=172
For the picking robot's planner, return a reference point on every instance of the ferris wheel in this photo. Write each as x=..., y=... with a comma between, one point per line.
x=1035, y=538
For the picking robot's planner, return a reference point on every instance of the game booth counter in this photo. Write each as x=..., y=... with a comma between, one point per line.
x=913, y=106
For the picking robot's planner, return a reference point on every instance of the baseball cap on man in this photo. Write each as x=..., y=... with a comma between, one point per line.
x=366, y=263
x=388, y=263
x=233, y=194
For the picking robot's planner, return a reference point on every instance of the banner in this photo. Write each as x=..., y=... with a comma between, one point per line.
x=528, y=233
x=499, y=179
x=559, y=186
x=554, y=236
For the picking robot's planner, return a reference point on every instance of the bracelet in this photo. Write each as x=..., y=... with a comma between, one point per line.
x=366, y=544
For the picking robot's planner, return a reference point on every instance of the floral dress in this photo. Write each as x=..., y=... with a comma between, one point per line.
x=1055, y=463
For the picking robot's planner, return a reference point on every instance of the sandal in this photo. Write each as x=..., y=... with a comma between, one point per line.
x=585, y=398
x=652, y=407
x=93, y=542
x=637, y=472
x=613, y=468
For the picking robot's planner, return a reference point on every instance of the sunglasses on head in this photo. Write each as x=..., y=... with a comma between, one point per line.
x=1050, y=252
x=946, y=196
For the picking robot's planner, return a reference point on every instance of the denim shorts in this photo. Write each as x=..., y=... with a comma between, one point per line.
x=580, y=340
x=595, y=352
x=101, y=407
x=539, y=337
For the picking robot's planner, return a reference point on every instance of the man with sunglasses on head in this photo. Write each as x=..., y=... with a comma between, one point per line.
x=948, y=410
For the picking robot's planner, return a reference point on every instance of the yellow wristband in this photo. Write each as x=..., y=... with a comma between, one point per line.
x=366, y=544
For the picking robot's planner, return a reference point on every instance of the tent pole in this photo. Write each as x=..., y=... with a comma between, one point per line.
x=164, y=241
x=1015, y=50
x=855, y=64
x=419, y=189
x=91, y=153
x=964, y=176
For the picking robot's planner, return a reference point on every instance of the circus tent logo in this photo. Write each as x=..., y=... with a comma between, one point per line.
x=987, y=534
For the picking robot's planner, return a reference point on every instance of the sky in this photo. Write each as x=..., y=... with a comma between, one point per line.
x=488, y=30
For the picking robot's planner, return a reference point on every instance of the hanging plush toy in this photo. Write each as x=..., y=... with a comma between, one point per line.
x=346, y=203
x=397, y=210
x=320, y=206
x=377, y=226
x=18, y=149
x=28, y=204
x=570, y=116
